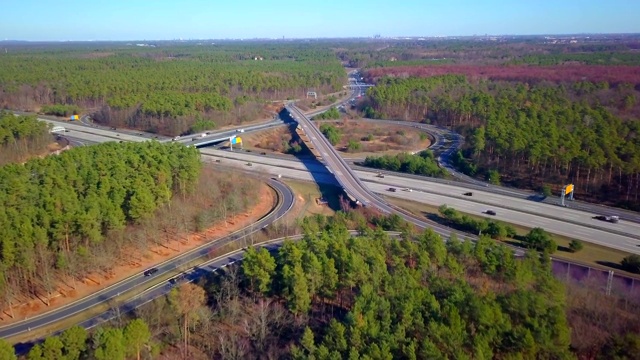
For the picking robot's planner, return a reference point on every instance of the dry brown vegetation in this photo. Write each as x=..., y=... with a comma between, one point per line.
x=377, y=138
x=374, y=138
x=595, y=318
x=276, y=139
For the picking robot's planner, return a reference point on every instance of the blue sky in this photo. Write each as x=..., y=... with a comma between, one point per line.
x=218, y=19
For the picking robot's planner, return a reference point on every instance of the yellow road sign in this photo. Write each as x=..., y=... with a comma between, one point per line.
x=568, y=189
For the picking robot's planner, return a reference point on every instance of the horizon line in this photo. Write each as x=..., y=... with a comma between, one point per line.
x=334, y=38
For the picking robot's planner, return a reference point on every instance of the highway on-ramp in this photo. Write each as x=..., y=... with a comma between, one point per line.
x=286, y=200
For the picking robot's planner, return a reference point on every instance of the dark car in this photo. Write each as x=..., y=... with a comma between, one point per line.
x=150, y=272
x=468, y=194
x=490, y=212
x=177, y=279
x=392, y=189
x=611, y=219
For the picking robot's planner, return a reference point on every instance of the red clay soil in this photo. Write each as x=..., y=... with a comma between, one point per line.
x=65, y=294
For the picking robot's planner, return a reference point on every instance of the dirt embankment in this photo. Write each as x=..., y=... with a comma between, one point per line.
x=373, y=139
x=69, y=292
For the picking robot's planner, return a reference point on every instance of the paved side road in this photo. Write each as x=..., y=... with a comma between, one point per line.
x=139, y=280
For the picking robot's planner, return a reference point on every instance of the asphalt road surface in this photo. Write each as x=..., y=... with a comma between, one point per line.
x=537, y=214
x=488, y=196
x=505, y=199
x=139, y=280
x=595, y=236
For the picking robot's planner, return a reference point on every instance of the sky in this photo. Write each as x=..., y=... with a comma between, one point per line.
x=74, y=20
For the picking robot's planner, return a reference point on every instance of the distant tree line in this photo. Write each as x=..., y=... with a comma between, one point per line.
x=163, y=89
x=612, y=74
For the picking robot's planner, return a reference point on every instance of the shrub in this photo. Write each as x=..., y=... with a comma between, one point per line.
x=540, y=240
x=353, y=146
x=575, y=246
x=631, y=263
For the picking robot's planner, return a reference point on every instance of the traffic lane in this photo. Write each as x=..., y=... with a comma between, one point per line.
x=257, y=161
x=96, y=131
x=76, y=142
x=164, y=288
x=595, y=236
x=195, y=138
x=311, y=164
x=87, y=139
x=334, y=162
x=492, y=199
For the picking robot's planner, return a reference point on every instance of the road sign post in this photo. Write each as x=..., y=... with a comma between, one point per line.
x=566, y=190
x=235, y=140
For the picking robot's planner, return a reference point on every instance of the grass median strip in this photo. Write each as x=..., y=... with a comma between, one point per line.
x=592, y=254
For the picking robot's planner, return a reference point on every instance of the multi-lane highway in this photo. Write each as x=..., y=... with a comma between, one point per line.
x=446, y=144
x=552, y=218
x=483, y=195
x=286, y=201
x=511, y=199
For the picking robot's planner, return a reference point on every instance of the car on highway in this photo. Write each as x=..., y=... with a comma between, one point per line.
x=392, y=189
x=150, y=272
x=612, y=219
x=178, y=279
x=468, y=194
x=175, y=138
x=490, y=212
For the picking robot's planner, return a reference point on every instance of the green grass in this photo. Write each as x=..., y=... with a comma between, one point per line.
x=593, y=255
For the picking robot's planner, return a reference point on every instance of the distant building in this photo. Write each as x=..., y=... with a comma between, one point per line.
x=393, y=58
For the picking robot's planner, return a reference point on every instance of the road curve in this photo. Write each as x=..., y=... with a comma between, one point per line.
x=286, y=200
